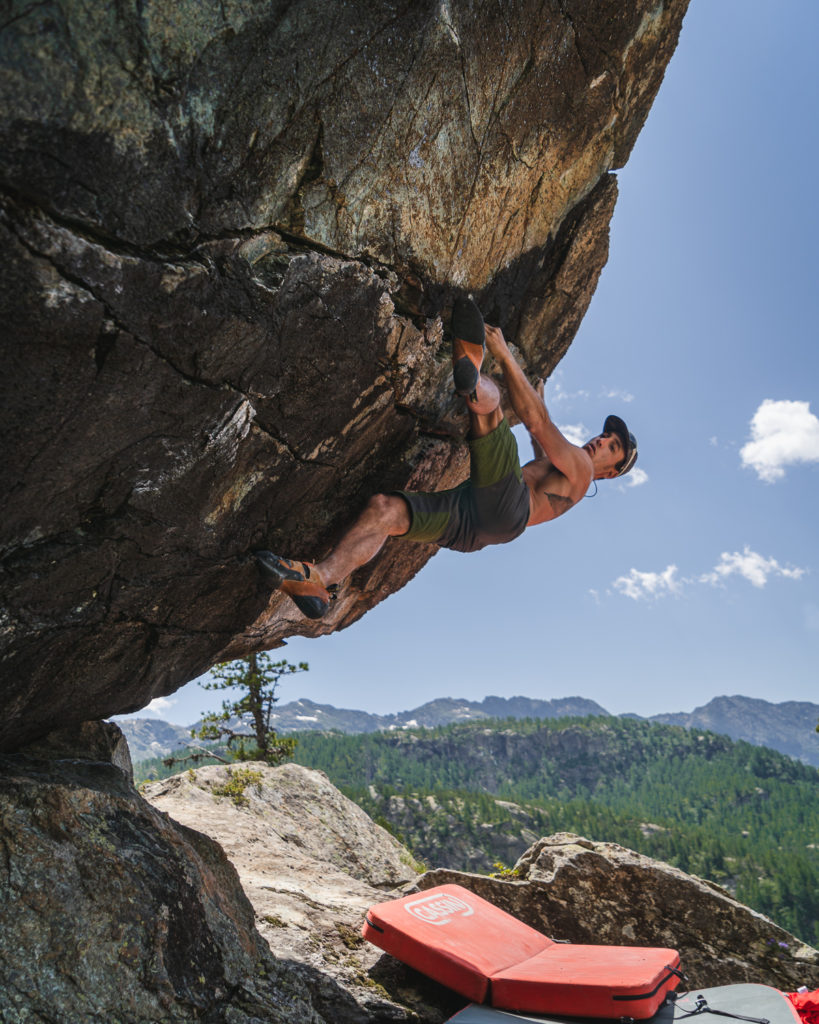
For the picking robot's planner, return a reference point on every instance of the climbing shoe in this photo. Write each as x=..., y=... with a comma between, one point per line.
x=300, y=581
x=468, y=345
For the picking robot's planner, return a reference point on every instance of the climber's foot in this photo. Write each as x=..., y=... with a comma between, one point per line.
x=300, y=581
x=468, y=345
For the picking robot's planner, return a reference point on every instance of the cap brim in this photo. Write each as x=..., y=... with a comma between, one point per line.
x=615, y=425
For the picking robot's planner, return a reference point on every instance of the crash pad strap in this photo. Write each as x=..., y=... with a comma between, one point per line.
x=672, y=971
x=703, y=1007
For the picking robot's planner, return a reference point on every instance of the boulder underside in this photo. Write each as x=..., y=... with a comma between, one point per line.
x=231, y=234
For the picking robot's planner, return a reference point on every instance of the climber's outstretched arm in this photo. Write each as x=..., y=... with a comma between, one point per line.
x=536, y=446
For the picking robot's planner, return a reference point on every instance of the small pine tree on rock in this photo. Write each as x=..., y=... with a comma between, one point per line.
x=258, y=676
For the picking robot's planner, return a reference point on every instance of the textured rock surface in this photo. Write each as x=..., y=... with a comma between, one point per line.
x=311, y=862
x=110, y=911
x=587, y=892
x=227, y=232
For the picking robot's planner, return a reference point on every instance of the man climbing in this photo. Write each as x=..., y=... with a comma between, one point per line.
x=498, y=501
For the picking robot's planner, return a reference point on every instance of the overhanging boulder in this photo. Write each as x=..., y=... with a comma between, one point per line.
x=228, y=234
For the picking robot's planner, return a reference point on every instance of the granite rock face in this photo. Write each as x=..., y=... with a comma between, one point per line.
x=311, y=862
x=589, y=892
x=109, y=910
x=230, y=235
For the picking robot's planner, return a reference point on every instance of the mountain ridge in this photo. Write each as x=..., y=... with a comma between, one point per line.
x=788, y=727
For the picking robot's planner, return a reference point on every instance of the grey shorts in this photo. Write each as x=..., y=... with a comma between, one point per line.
x=491, y=507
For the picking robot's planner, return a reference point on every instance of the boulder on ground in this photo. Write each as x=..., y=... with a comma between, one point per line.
x=112, y=911
x=581, y=891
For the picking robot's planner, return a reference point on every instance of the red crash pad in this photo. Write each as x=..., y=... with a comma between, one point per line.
x=807, y=1005
x=477, y=949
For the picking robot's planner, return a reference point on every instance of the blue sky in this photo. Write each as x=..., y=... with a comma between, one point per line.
x=700, y=576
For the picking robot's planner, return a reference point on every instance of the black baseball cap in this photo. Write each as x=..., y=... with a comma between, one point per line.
x=614, y=425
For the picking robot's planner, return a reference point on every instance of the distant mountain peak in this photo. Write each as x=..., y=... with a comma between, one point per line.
x=787, y=727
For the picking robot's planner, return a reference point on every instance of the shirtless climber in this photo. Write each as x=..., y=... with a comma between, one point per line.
x=499, y=500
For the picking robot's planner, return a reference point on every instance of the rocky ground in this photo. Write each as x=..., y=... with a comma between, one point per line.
x=237, y=894
x=311, y=863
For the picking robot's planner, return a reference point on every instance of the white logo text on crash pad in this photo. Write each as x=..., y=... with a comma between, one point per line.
x=439, y=909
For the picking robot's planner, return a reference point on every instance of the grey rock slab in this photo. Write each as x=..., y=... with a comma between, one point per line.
x=311, y=863
x=111, y=911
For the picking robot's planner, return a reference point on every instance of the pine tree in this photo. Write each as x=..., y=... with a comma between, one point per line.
x=259, y=677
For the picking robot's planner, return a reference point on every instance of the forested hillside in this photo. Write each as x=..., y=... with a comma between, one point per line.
x=741, y=815
x=468, y=795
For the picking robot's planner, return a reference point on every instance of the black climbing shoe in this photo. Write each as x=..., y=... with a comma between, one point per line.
x=300, y=581
x=468, y=345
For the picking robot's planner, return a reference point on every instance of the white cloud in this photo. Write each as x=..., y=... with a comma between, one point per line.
x=577, y=433
x=750, y=565
x=782, y=434
x=648, y=584
x=557, y=393
x=747, y=564
x=620, y=396
x=159, y=705
x=636, y=478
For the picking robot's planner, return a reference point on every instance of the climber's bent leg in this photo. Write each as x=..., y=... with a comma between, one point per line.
x=386, y=515
x=312, y=587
